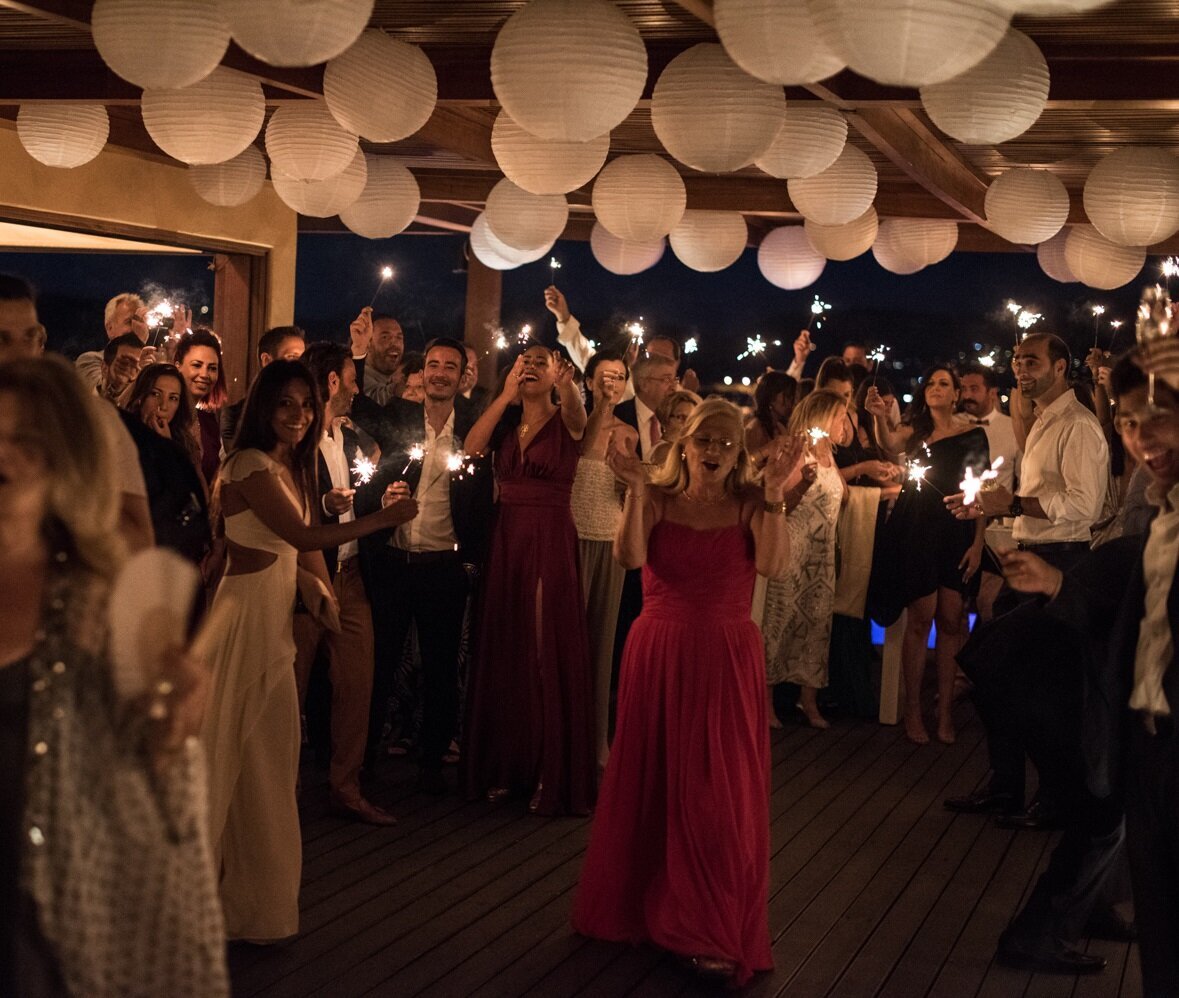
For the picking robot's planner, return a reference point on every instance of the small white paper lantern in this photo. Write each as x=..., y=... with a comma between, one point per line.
x=568, y=69
x=233, y=182
x=811, y=139
x=62, y=135
x=909, y=43
x=160, y=43
x=322, y=198
x=525, y=221
x=381, y=88
x=844, y=242
x=496, y=254
x=890, y=250
x=1132, y=196
x=390, y=200
x=1100, y=263
x=775, y=40
x=1050, y=253
x=1026, y=206
x=841, y=193
x=296, y=32
x=787, y=259
x=624, y=257
x=639, y=198
x=305, y=142
x=709, y=241
x=545, y=166
x=909, y=244
x=209, y=122
x=712, y=115
x=996, y=100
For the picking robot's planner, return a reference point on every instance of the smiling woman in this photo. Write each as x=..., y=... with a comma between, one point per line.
x=198, y=356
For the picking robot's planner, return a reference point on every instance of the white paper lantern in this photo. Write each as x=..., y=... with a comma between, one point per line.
x=381, y=88
x=233, y=182
x=996, y=100
x=1132, y=196
x=1026, y=206
x=787, y=259
x=304, y=141
x=545, y=166
x=160, y=43
x=525, y=221
x=1050, y=8
x=322, y=198
x=1100, y=263
x=909, y=43
x=390, y=200
x=209, y=122
x=1050, y=253
x=775, y=40
x=624, y=257
x=841, y=193
x=844, y=242
x=708, y=241
x=712, y=115
x=568, y=69
x=296, y=32
x=810, y=140
x=639, y=198
x=62, y=135
x=496, y=254
x=907, y=245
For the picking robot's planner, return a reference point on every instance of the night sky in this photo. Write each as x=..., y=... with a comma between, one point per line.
x=933, y=315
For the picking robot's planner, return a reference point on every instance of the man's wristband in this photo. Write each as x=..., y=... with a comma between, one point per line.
x=1016, y=507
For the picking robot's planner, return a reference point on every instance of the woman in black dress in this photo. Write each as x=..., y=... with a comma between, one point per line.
x=927, y=560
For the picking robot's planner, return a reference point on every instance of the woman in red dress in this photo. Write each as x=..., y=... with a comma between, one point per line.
x=679, y=853
x=530, y=727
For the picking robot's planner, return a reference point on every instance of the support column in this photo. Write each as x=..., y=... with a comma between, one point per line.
x=239, y=303
x=484, y=296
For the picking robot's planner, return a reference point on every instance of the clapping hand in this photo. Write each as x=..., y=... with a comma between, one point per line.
x=511, y=389
x=784, y=457
x=625, y=463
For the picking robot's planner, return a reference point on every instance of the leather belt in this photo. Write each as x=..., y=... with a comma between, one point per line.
x=402, y=557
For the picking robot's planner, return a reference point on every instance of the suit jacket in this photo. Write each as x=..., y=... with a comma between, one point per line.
x=231, y=417
x=627, y=412
x=351, y=445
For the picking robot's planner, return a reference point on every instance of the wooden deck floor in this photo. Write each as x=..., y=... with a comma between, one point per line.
x=875, y=890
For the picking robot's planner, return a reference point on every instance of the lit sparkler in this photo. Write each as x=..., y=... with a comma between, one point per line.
x=819, y=309
x=917, y=471
x=817, y=434
x=755, y=346
x=987, y=359
x=159, y=318
x=363, y=469
x=1169, y=269
x=877, y=357
x=458, y=465
x=973, y=484
x=1098, y=311
x=1027, y=318
x=386, y=276
x=637, y=331
x=417, y=452
x=554, y=265
x=525, y=333
x=690, y=345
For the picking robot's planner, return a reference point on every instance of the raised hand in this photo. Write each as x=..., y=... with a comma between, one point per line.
x=511, y=389
x=875, y=404
x=625, y=463
x=361, y=331
x=803, y=347
x=785, y=454
x=564, y=373
x=555, y=302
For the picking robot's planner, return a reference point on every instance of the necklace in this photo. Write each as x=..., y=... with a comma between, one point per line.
x=704, y=502
x=522, y=430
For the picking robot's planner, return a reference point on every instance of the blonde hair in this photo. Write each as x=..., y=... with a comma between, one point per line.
x=817, y=409
x=672, y=474
x=59, y=420
x=667, y=407
x=111, y=306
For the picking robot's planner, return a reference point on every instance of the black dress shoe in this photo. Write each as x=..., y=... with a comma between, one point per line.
x=1110, y=925
x=1059, y=959
x=432, y=782
x=984, y=802
x=1039, y=816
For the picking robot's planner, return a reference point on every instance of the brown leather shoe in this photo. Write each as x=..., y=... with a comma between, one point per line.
x=363, y=810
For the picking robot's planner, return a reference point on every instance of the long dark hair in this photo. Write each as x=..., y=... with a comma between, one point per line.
x=918, y=416
x=203, y=336
x=255, y=429
x=769, y=386
x=183, y=424
x=884, y=386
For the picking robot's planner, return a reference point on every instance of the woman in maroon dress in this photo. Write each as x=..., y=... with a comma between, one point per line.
x=198, y=356
x=530, y=727
x=679, y=854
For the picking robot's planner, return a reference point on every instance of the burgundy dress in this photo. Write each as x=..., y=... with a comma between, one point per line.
x=530, y=718
x=679, y=854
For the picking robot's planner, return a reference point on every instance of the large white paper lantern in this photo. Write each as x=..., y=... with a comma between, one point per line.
x=388, y=203
x=1026, y=206
x=296, y=32
x=209, y=122
x=810, y=140
x=624, y=257
x=62, y=135
x=381, y=89
x=233, y=182
x=1132, y=196
x=712, y=115
x=909, y=43
x=545, y=166
x=787, y=259
x=496, y=254
x=1050, y=8
x=639, y=198
x=775, y=40
x=996, y=100
x=925, y=241
x=844, y=242
x=568, y=69
x=322, y=198
x=1050, y=253
x=304, y=141
x=892, y=259
x=525, y=221
x=1100, y=263
x=160, y=43
x=708, y=241
x=841, y=193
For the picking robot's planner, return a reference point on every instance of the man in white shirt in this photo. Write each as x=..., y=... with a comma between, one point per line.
x=125, y=313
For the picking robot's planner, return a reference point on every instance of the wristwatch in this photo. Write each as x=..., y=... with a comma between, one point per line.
x=1016, y=507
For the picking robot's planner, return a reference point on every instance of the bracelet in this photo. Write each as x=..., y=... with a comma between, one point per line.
x=633, y=493
x=774, y=507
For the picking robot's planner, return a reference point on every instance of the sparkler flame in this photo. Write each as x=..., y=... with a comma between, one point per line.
x=987, y=359
x=917, y=472
x=637, y=331
x=416, y=452
x=878, y=355
x=1098, y=310
x=386, y=273
x=754, y=346
x=501, y=341
x=455, y=461
x=363, y=469
x=817, y=433
x=1014, y=307
x=1170, y=267
x=1026, y=319
x=158, y=312
x=818, y=306
x=972, y=485
x=554, y=263
x=1116, y=323
x=690, y=345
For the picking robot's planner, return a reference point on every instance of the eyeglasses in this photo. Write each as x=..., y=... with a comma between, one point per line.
x=707, y=443
x=1128, y=422
x=662, y=379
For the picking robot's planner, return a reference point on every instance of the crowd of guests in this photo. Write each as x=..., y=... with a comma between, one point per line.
x=595, y=588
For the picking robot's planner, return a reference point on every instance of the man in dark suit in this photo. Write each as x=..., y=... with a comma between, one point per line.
x=279, y=343
x=419, y=572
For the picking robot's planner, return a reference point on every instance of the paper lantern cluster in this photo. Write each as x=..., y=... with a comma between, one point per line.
x=841, y=193
x=1050, y=254
x=639, y=198
x=233, y=182
x=844, y=242
x=708, y=241
x=1026, y=206
x=907, y=245
x=787, y=259
x=1098, y=262
x=296, y=32
x=62, y=135
x=305, y=142
x=1132, y=196
x=775, y=40
x=160, y=43
x=545, y=166
x=624, y=257
x=209, y=122
x=381, y=89
x=388, y=203
x=809, y=141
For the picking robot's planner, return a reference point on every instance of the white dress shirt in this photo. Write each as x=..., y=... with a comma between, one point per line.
x=1001, y=441
x=1155, y=646
x=432, y=529
x=331, y=446
x=570, y=336
x=1066, y=467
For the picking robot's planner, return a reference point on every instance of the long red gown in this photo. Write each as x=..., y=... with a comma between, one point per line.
x=679, y=852
x=531, y=717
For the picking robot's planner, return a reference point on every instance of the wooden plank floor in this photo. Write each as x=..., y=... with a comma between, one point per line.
x=876, y=889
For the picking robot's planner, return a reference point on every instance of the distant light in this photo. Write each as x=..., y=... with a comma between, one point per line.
x=205, y=310
x=978, y=346
x=728, y=380
x=1003, y=398
x=906, y=397
x=745, y=381
x=897, y=365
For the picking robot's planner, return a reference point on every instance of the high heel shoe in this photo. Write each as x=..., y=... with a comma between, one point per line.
x=496, y=794
x=815, y=720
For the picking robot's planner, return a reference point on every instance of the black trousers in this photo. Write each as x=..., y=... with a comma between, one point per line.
x=433, y=596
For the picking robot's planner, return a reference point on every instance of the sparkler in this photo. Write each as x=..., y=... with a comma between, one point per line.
x=987, y=359
x=973, y=484
x=1026, y=319
x=525, y=333
x=754, y=347
x=690, y=345
x=157, y=320
x=416, y=453
x=1098, y=311
x=817, y=434
x=554, y=266
x=363, y=469
x=1115, y=325
x=819, y=308
x=1169, y=269
x=918, y=469
x=386, y=275
x=637, y=332
x=877, y=357
x=1153, y=324
x=458, y=465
